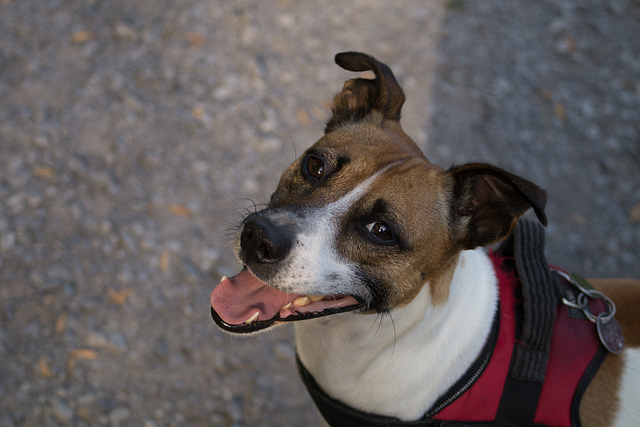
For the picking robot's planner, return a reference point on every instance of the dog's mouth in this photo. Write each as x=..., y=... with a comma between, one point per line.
x=244, y=303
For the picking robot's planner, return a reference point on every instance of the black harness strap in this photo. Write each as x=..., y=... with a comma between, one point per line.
x=541, y=291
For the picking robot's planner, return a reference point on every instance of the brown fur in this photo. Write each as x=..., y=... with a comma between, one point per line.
x=440, y=283
x=600, y=402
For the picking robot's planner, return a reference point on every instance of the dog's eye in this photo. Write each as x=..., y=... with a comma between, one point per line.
x=380, y=230
x=314, y=167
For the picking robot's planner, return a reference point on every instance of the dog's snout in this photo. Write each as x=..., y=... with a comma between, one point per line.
x=262, y=242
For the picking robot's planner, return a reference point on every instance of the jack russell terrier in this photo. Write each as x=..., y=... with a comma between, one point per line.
x=382, y=251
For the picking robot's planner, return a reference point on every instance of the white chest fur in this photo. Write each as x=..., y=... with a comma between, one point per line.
x=629, y=410
x=399, y=364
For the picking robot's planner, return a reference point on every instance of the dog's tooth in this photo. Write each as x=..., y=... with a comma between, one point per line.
x=287, y=306
x=302, y=301
x=252, y=319
x=316, y=298
x=223, y=279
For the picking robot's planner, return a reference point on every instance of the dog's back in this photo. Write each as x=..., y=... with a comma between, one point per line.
x=612, y=397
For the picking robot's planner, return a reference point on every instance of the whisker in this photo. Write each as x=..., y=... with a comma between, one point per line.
x=395, y=332
x=295, y=149
x=379, y=318
x=373, y=323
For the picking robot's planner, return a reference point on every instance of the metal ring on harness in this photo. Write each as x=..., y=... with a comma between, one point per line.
x=583, y=303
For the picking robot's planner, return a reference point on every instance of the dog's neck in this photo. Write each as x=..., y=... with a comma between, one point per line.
x=399, y=364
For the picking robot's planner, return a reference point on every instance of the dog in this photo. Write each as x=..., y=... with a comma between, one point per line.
x=378, y=256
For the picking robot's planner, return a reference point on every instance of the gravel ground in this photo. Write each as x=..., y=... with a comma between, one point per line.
x=131, y=134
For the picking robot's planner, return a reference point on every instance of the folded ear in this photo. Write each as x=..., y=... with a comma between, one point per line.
x=361, y=97
x=487, y=201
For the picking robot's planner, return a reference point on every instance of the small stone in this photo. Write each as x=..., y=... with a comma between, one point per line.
x=97, y=340
x=593, y=132
x=251, y=186
x=17, y=173
x=208, y=258
x=634, y=215
x=119, y=415
x=16, y=203
x=235, y=408
x=118, y=340
x=286, y=21
x=7, y=241
x=270, y=145
x=223, y=92
x=106, y=227
x=123, y=32
x=62, y=411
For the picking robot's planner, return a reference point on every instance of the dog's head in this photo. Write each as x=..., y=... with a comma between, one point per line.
x=363, y=220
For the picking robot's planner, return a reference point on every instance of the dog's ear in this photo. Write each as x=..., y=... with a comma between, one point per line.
x=360, y=97
x=487, y=201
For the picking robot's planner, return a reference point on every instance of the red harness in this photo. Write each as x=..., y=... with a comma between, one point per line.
x=574, y=345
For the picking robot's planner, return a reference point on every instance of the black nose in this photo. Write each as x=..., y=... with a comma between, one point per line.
x=262, y=242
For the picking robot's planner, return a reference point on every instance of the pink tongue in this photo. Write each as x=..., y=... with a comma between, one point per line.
x=238, y=298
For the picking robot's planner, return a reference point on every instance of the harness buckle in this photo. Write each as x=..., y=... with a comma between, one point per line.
x=608, y=328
